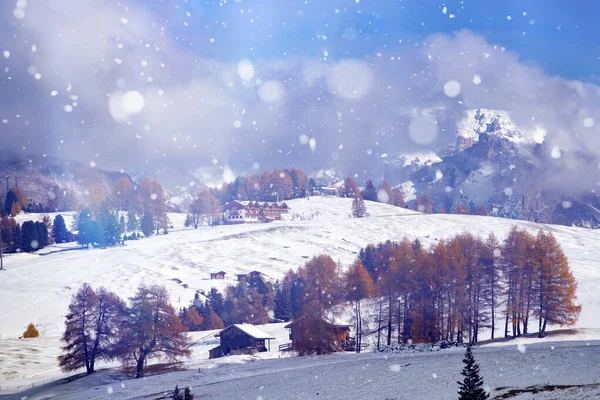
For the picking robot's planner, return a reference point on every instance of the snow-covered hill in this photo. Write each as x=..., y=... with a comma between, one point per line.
x=37, y=288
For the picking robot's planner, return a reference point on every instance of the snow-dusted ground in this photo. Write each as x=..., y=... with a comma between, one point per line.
x=37, y=288
x=364, y=376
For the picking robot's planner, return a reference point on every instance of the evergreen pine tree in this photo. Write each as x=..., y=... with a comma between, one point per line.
x=28, y=237
x=176, y=394
x=187, y=394
x=132, y=222
x=84, y=227
x=59, y=229
x=216, y=302
x=11, y=198
x=108, y=228
x=283, y=302
x=370, y=191
x=471, y=388
x=41, y=234
x=188, y=220
x=148, y=224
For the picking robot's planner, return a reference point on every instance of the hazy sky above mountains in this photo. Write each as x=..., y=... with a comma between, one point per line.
x=254, y=84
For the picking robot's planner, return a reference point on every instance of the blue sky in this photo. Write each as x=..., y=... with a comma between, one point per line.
x=558, y=35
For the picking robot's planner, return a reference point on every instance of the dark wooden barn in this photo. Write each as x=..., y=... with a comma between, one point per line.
x=217, y=275
x=338, y=334
x=241, y=339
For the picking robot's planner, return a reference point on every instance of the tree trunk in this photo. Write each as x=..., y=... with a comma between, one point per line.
x=389, y=327
x=379, y=324
x=140, y=366
x=543, y=331
x=493, y=306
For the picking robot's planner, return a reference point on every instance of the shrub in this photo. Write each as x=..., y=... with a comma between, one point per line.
x=31, y=332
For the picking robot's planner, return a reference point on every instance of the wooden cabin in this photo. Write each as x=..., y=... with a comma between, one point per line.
x=251, y=274
x=218, y=275
x=339, y=334
x=241, y=339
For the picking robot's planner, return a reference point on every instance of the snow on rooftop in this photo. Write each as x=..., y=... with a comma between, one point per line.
x=251, y=330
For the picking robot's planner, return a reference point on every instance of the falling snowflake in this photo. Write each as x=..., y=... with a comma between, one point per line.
x=395, y=368
x=452, y=88
x=246, y=70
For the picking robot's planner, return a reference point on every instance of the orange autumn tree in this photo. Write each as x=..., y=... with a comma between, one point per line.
x=424, y=204
x=555, y=285
x=151, y=198
x=20, y=197
x=124, y=194
x=97, y=197
x=31, y=332
x=359, y=286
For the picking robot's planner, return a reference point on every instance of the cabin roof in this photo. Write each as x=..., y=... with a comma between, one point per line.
x=217, y=273
x=249, y=330
x=241, y=204
x=335, y=325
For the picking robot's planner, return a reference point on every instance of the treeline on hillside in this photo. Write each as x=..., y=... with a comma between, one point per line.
x=282, y=184
x=98, y=223
x=451, y=291
x=29, y=236
x=100, y=326
x=251, y=301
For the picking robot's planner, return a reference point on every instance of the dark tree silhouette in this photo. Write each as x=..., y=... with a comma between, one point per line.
x=148, y=224
x=59, y=230
x=471, y=388
x=370, y=191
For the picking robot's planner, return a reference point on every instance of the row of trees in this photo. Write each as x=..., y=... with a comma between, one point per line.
x=30, y=236
x=103, y=228
x=250, y=301
x=384, y=193
x=101, y=327
x=451, y=291
x=282, y=184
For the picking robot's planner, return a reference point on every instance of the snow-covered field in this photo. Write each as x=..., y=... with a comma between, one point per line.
x=506, y=370
x=37, y=288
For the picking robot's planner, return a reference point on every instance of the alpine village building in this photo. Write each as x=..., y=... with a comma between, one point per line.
x=240, y=212
x=241, y=339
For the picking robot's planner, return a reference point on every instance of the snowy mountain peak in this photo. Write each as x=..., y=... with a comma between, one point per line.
x=495, y=123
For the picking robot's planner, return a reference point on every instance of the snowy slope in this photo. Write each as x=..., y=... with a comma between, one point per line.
x=38, y=288
x=418, y=376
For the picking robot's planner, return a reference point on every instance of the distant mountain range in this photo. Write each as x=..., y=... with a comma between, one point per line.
x=498, y=166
